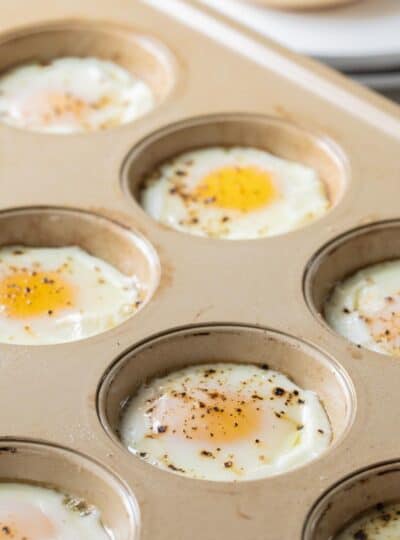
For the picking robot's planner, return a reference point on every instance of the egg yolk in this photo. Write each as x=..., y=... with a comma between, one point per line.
x=237, y=188
x=66, y=103
x=30, y=294
x=57, y=104
x=23, y=521
x=215, y=417
x=54, y=104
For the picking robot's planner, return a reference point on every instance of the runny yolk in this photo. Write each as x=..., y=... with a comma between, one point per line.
x=23, y=521
x=215, y=418
x=31, y=294
x=237, y=188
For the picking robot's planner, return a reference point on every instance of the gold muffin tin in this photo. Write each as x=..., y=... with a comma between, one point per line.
x=245, y=301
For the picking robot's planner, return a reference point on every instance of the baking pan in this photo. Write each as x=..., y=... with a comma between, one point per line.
x=207, y=299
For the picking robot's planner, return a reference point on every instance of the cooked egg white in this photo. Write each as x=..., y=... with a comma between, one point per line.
x=30, y=512
x=225, y=422
x=53, y=295
x=365, y=308
x=380, y=523
x=233, y=193
x=70, y=95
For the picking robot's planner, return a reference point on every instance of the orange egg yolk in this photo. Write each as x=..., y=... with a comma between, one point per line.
x=217, y=418
x=23, y=521
x=237, y=188
x=62, y=103
x=26, y=294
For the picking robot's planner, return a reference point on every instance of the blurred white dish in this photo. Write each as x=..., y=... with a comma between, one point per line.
x=303, y=4
x=363, y=35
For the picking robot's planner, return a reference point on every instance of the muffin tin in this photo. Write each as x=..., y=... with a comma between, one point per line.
x=248, y=301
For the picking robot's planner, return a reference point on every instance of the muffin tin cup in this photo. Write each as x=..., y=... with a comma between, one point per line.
x=121, y=247
x=71, y=473
x=142, y=55
x=103, y=238
x=216, y=83
x=271, y=134
x=333, y=263
x=350, y=498
x=306, y=366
